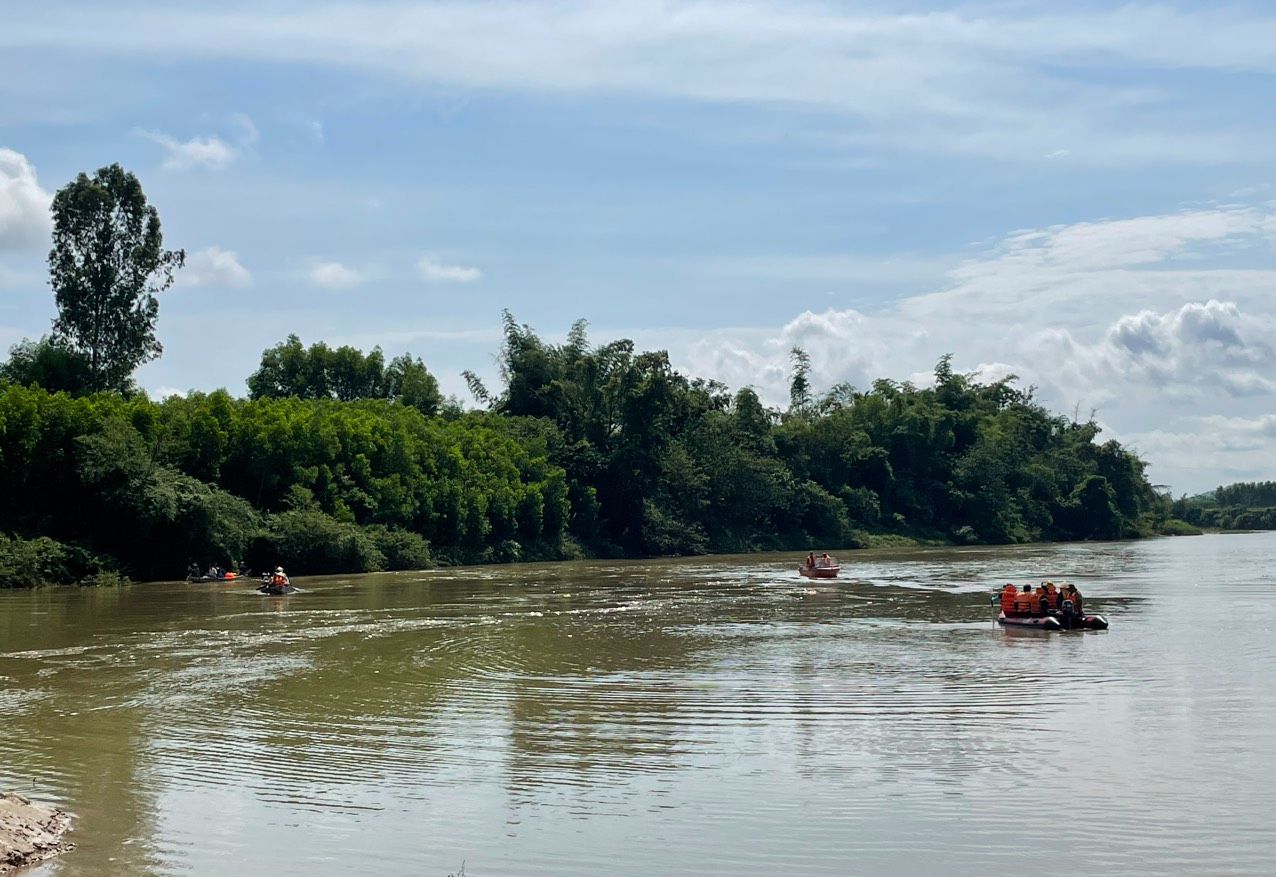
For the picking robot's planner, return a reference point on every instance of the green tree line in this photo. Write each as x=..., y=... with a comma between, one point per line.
x=338, y=461
x=1245, y=505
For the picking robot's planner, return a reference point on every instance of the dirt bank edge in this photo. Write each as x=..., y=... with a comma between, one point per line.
x=29, y=832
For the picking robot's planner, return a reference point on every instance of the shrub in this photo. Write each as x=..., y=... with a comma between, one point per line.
x=402, y=549
x=33, y=563
x=310, y=542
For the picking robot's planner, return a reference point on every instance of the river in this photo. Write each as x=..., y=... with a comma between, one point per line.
x=707, y=716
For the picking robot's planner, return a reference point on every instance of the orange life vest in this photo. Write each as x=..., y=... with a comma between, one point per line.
x=1008, y=599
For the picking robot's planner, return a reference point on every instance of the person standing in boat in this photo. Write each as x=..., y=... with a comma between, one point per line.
x=810, y=560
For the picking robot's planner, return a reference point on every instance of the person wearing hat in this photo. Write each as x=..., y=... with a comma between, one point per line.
x=279, y=579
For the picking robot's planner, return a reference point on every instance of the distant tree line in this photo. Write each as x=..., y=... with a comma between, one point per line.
x=341, y=462
x=1240, y=506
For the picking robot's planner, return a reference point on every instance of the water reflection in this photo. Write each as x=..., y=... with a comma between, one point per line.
x=720, y=716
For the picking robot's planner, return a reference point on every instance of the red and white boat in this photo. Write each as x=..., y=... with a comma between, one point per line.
x=823, y=569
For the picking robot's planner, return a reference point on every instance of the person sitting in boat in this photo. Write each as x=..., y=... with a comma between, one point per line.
x=279, y=580
x=214, y=572
x=192, y=571
x=1052, y=593
x=825, y=560
x=1023, y=601
x=1070, y=592
x=1042, y=598
x=1008, y=594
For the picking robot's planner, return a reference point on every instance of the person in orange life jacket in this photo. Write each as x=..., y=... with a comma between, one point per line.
x=279, y=579
x=1008, y=599
x=1041, y=600
x=810, y=560
x=1023, y=601
x=1053, y=594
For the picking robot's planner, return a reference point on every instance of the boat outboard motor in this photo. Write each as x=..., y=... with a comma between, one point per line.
x=1068, y=615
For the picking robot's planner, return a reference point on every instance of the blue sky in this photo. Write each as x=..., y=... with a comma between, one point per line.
x=1080, y=194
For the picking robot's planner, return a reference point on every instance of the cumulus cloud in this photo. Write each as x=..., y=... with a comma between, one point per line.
x=214, y=267
x=432, y=270
x=334, y=275
x=1207, y=451
x=1105, y=315
x=212, y=153
x=25, y=223
x=1211, y=344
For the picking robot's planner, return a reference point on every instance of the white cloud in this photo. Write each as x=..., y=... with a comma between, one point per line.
x=163, y=392
x=334, y=275
x=1202, y=452
x=1008, y=80
x=214, y=267
x=433, y=271
x=25, y=223
x=1103, y=315
x=212, y=153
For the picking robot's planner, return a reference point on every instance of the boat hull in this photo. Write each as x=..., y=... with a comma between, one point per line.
x=819, y=572
x=1054, y=621
x=199, y=580
x=276, y=591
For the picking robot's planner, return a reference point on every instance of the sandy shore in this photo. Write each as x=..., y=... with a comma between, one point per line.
x=29, y=832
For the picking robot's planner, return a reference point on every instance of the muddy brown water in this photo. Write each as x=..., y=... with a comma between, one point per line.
x=711, y=716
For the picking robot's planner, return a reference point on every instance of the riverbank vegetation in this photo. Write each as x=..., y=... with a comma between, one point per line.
x=1240, y=506
x=339, y=462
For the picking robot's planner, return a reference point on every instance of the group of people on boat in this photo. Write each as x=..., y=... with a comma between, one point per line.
x=823, y=560
x=1046, y=599
x=215, y=571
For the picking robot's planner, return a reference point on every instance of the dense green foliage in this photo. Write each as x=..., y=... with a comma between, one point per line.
x=1240, y=506
x=593, y=449
x=1251, y=495
x=346, y=374
x=50, y=363
x=338, y=461
x=106, y=266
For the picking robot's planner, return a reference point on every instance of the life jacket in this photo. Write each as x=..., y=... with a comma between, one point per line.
x=1053, y=594
x=1023, y=603
x=1008, y=599
x=279, y=581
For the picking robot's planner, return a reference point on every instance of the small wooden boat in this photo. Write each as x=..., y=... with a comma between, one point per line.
x=820, y=570
x=229, y=577
x=276, y=590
